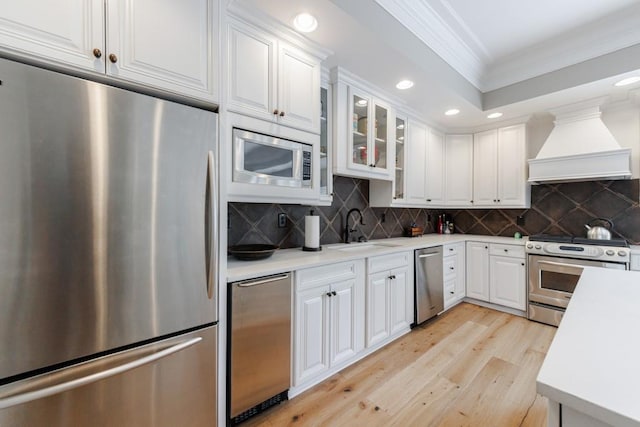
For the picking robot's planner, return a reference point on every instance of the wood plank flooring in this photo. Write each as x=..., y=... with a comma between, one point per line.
x=472, y=366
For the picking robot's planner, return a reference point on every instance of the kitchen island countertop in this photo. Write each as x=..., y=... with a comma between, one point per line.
x=593, y=364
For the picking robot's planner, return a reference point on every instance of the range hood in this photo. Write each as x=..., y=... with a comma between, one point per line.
x=580, y=148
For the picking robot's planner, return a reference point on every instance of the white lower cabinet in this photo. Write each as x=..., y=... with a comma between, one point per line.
x=497, y=274
x=329, y=318
x=389, y=297
x=478, y=270
x=453, y=263
x=507, y=276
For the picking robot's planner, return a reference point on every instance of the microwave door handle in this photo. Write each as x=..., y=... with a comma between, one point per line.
x=211, y=225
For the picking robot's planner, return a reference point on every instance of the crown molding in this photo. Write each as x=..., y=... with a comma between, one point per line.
x=426, y=24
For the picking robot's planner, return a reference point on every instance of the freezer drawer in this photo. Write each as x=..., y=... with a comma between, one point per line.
x=176, y=389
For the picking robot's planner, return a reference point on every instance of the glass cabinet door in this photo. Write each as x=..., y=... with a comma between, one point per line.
x=324, y=141
x=380, y=137
x=360, y=130
x=398, y=192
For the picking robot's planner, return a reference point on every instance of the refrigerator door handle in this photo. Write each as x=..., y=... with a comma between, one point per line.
x=50, y=390
x=211, y=230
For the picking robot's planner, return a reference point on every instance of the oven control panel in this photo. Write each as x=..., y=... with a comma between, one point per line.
x=579, y=251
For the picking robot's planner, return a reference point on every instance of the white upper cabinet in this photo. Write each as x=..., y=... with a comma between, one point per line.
x=363, y=137
x=434, y=169
x=459, y=170
x=272, y=80
x=485, y=167
x=415, y=166
x=62, y=32
x=144, y=41
x=164, y=44
x=500, y=168
x=513, y=188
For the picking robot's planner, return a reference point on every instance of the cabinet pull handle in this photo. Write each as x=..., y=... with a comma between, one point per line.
x=97, y=53
x=334, y=293
x=428, y=200
x=275, y=112
x=281, y=113
x=113, y=58
x=329, y=294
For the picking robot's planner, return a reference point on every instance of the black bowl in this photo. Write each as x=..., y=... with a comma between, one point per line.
x=252, y=252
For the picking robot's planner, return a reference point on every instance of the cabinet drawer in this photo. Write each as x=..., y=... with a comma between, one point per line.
x=449, y=290
x=311, y=277
x=512, y=251
x=452, y=249
x=387, y=262
x=450, y=266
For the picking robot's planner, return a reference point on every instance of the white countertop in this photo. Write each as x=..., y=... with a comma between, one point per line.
x=295, y=259
x=593, y=364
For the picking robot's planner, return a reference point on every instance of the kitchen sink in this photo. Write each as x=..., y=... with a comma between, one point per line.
x=351, y=247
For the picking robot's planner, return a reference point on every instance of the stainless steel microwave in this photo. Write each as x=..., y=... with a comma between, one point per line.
x=268, y=160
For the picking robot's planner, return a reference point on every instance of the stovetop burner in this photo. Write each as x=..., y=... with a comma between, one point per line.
x=618, y=243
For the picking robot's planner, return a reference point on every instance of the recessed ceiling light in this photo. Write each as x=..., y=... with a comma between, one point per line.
x=404, y=84
x=494, y=115
x=305, y=22
x=452, y=112
x=361, y=102
x=628, y=81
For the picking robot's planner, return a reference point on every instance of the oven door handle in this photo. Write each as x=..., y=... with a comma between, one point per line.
x=560, y=266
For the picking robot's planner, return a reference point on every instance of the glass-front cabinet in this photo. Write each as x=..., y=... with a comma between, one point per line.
x=363, y=130
x=326, y=176
x=399, y=184
x=369, y=133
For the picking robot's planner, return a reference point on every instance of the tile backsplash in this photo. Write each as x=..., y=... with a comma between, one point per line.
x=561, y=209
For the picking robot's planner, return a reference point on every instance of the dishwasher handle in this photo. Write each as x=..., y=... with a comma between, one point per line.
x=429, y=255
x=263, y=281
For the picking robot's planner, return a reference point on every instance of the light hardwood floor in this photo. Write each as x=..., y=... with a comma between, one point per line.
x=471, y=366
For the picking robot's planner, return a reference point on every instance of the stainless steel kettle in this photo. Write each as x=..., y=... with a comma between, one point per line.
x=598, y=232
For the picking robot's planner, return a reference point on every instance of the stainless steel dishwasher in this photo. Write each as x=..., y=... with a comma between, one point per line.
x=429, y=283
x=259, y=356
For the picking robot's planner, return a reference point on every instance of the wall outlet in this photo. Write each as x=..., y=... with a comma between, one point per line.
x=282, y=220
x=520, y=220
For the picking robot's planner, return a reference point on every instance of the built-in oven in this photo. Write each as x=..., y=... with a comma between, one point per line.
x=552, y=280
x=268, y=160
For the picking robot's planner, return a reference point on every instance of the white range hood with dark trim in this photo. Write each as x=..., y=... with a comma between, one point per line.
x=580, y=148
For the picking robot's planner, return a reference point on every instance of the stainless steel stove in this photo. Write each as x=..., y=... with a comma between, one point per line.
x=555, y=264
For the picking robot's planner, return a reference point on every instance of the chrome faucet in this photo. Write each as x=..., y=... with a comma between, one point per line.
x=348, y=230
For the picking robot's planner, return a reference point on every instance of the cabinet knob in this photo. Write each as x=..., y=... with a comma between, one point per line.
x=522, y=264
x=506, y=250
x=281, y=113
x=428, y=200
x=97, y=53
x=451, y=268
x=494, y=200
x=451, y=292
x=329, y=294
x=450, y=249
x=276, y=112
x=486, y=247
x=113, y=58
x=471, y=201
x=334, y=293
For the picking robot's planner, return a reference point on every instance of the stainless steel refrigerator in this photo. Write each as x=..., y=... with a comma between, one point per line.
x=108, y=230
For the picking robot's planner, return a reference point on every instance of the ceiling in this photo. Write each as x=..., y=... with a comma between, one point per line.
x=519, y=58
